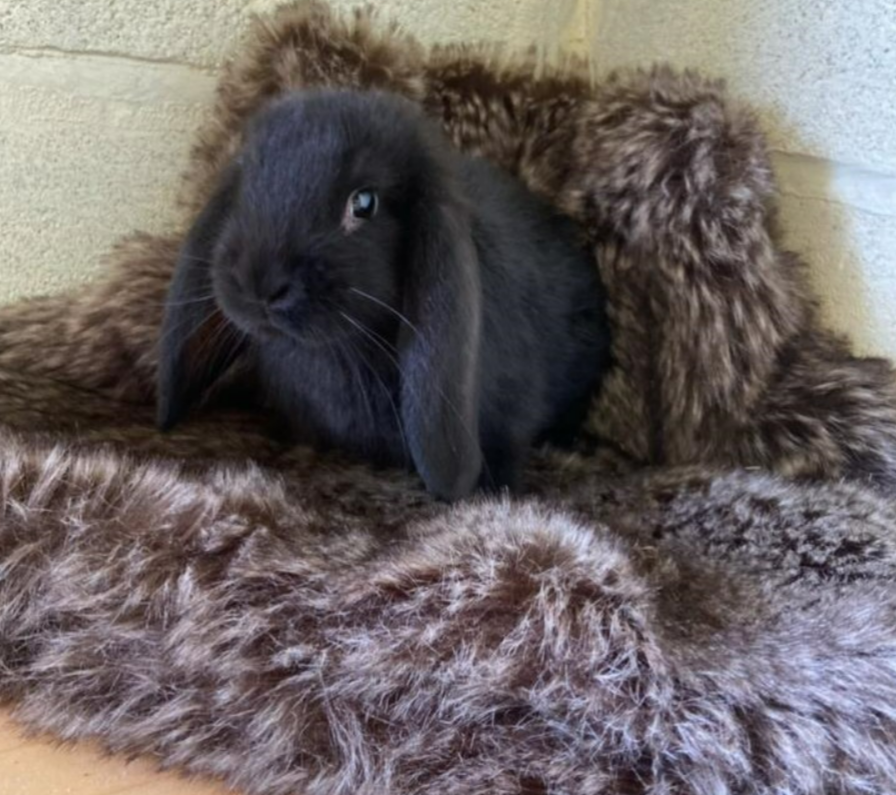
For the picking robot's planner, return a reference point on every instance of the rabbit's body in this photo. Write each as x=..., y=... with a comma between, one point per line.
x=345, y=395
x=454, y=326
x=543, y=339
x=545, y=333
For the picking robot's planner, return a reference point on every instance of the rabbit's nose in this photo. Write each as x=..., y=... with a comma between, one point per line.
x=285, y=298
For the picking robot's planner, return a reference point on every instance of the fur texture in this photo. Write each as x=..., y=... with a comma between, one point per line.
x=681, y=632
x=299, y=624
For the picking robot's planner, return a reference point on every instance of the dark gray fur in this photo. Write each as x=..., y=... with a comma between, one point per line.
x=459, y=326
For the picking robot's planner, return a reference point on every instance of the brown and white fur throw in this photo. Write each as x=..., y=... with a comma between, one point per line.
x=701, y=600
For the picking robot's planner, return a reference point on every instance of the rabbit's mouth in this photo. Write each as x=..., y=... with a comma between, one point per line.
x=269, y=326
x=313, y=330
x=299, y=319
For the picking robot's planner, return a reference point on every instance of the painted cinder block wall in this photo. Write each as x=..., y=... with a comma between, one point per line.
x=99, y=101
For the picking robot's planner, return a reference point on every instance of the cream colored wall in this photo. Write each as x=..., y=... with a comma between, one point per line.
x=823, y=74
x=99, y=101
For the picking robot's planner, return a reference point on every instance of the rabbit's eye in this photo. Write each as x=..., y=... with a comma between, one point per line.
x=363, y=203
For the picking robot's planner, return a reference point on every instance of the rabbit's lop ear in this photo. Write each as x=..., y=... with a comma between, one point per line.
x=439, y=346
x=195, y=346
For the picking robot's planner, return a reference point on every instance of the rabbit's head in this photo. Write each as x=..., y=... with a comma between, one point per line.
x=342, y=215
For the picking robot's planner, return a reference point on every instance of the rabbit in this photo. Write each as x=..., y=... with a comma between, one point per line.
x=397, y=299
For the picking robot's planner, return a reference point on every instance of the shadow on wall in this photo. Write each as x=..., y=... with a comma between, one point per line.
x=813, y=222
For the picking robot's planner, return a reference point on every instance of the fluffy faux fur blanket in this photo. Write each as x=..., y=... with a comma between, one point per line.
x=663, y=614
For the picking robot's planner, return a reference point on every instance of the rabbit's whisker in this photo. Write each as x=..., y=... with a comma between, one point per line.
x=187, y=302
x=391, y=352
x=193, y=258
x=388, y=392
x=388, y=308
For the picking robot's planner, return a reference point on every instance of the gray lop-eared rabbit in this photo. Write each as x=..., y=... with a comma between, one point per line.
x=396, y=299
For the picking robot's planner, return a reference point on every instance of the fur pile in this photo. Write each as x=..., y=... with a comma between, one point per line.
x=298, y=624
x=677, y=633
